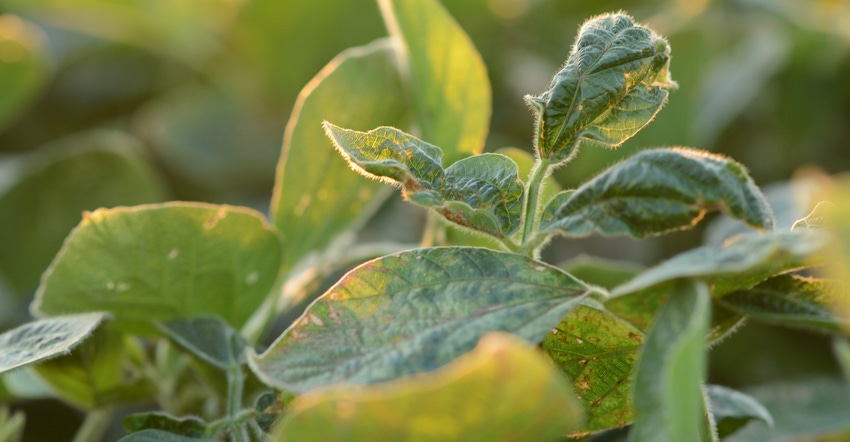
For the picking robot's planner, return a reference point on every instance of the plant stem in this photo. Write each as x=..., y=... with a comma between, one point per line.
x=235, y=383
x=535, y=183
x=94, y=425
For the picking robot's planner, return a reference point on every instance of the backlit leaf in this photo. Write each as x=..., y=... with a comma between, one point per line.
x=614, y=82
x=93, y=375
x=739, y=263
x=211, y=339
x=597, y=351
x=447, y=77
x=733, y=409
x=482, y=192
x=413, y=312
x=503, y=390
x=668, y=397
x=790, y=300
x=164, y=262
x=657, y=191
x=45, y=338
x=316, y=197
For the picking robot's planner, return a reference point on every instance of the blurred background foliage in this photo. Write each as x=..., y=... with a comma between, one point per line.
x=123, y=102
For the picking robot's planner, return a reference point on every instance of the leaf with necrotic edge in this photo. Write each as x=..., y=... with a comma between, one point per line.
x=45, y=338
x=657, y=191
x=614, y=82
x=482, y=192
x=414, y=312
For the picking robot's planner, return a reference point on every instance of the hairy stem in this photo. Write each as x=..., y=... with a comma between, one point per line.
x=94, y=425
x=235, y=383
x=532, y=192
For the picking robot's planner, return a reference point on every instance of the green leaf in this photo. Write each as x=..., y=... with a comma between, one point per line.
x=740, y=263
x=657, y=191
x=185, y=426
x=211, y=339
x=269, y=407
x=733, y=409
x=23, y=66
x=482, y=192
x=791, y=300
x=803, y=409
x=841, y=347
x=164, y=262
x=502, y=390
x=446, y=75
x=50, y=188
x=93, y=375
x=316, y=197
x=668, y=397
x=614, y=82
x=597, y=351
x=413, y=312
x=152, y=435
x=45, y=338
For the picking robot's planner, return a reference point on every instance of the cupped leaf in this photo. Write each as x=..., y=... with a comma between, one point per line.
x=668, y=395
x=446, y=76
x=503, y=390
x=482, y=192
x=657, y=191
x=45, y=338
x=740, y=263
x=733, y=409
x=151, y=435
x=93, y=375
x=413, y=312
x=614, y=82
x=791, y=300
x=211, y=339
x=597, y=351
x=315, y=196
x=186, y=426
x=163, y=262
x=50, y=188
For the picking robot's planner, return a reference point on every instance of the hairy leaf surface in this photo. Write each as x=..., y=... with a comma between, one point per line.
x=597, y=351
x=446, y=75
x=415, y=312
x=668, y=397
x=791, y=300
x=733, y=409
x=504, y=389
x=315, y=196
x=482, y=192
x=614, y=82
x=45, y=338
x=163, y=262
x=657, y=191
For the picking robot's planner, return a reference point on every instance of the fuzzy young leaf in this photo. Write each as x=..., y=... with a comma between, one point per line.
x=657, y=191
x=597, y=351
x=315, y=196
x=791, y=300
x=614, y=82
x=45, y=338
x=447, y=78
x=415, y=312
x=482, y=192
x=504, y=389
x=669, y=403
x=733, y=409
x=211, y=339
x=164, y=262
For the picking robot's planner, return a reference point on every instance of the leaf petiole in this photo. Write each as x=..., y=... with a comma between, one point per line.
x=535, y=183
